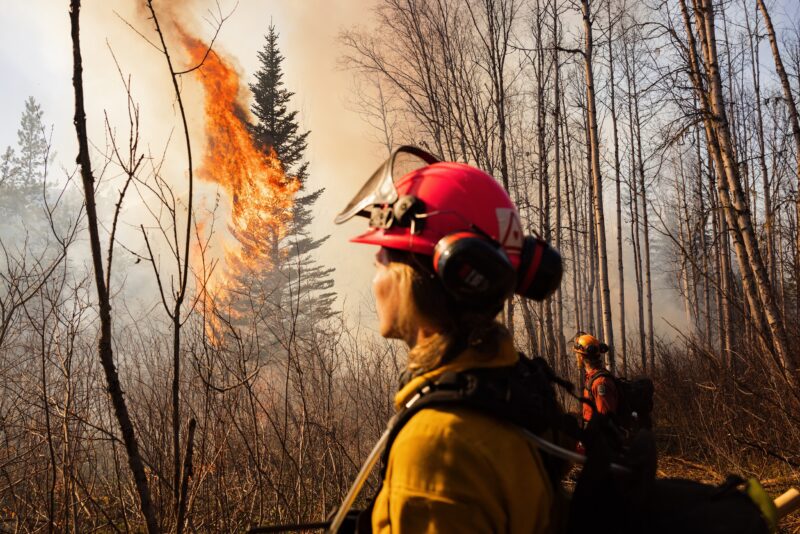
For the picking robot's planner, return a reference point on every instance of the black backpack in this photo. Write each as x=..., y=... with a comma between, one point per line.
x=617, y=490
x=635, y=407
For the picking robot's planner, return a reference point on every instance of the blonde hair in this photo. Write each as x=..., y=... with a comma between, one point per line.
x=425, y=300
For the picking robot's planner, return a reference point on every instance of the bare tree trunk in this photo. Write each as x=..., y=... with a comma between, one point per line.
x=589, y=255
x=684, y=233
x=527, y=317
x=597, y=180
x=637, y=257
x=590, y=269
x=648, y=279
x=703, y=245
x=689, y=252
x=769, y=229
x=544, y=172
x=52, y=468
x=754, y=280
x=720, y=237
x=617, y=181
x=186, y=473
x=633, y=189
x=572, y=206
x=561, y=342
x=724, y=270
x=794, y=121
x=105, y=351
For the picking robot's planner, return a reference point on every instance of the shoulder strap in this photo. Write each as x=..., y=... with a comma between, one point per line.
x=521, y=394
x=432, y=394
x=598, y=374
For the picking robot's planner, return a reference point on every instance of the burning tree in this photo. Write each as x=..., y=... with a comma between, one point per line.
x=301, y=279
x=271, y=278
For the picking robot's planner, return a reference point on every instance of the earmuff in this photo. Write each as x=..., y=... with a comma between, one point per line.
x=540, y=269
x=473, y=267
x=590, y=351
x=477, y=273
x=474, y=270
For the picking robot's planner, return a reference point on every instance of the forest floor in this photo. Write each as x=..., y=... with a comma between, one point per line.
x=671, y=466
x=676, y=467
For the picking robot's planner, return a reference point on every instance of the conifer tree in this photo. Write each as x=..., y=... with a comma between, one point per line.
x=22, y=174
x=32, y=144
x=296, y=282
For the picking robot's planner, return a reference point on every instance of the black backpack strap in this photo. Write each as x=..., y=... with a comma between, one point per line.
x=443, y=392
x=521, y=394
x=598, y=374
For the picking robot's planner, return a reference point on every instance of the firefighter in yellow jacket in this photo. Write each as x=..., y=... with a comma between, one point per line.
x=451, y=252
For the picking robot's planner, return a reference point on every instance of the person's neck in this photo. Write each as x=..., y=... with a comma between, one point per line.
x=590, y=368
x=423, y=333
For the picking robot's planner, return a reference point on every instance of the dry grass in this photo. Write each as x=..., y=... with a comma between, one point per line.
x=717, y=417
x=677, y=467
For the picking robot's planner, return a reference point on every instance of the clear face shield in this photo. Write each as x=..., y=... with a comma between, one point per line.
x=379, y=193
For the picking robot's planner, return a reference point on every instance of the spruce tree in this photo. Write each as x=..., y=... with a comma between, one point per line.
x=277, y=127
x=32, y=146
x=297, y=283
x=22, y=174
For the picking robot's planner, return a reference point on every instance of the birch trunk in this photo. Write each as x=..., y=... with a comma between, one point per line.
x=648, y=279
x=569, y=183
x=634, y=209
x=794, y=121
x=617, y=181
x=597, y=189
x=560, y=341
x=769, y=229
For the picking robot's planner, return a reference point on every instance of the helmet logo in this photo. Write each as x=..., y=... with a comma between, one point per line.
x=510, y=235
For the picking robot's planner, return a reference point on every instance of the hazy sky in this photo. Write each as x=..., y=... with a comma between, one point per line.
x=35, y=59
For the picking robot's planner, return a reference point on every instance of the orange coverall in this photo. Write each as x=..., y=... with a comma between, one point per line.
x=604, y=393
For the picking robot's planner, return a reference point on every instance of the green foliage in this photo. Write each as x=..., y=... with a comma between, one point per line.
x=22, y=178
x=290, y=291
x=276, y=127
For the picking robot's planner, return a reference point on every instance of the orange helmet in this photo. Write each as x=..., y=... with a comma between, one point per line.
x=588, y=345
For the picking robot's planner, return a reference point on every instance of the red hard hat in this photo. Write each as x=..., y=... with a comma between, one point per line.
x=463, y=219
x=456, y=197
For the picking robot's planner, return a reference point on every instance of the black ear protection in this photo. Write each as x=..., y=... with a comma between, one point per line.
x=540, y=269
x=591, y=351
x=477, y=273
x=474, y=270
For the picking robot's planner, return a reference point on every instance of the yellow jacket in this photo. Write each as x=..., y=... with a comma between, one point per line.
x=455, y=470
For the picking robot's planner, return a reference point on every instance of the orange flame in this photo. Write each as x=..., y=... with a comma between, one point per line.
x=261, y=195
